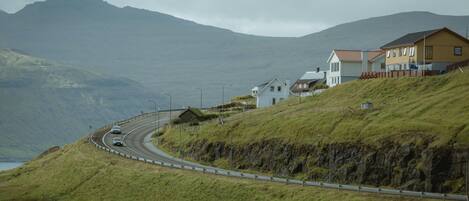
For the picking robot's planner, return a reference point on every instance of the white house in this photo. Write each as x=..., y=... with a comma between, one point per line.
x=347, y=65
x=271, y=92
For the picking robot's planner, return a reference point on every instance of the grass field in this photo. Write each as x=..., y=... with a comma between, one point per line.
x=406, y=110
x=81, y=172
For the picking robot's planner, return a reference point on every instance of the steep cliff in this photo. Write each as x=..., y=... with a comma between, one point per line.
x=415, y=138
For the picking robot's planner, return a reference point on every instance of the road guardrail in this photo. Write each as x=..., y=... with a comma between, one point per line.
x=287, y=181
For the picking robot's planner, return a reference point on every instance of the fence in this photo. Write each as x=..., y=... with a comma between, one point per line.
x=400, y=73
x=459, y=65
x=285, y=181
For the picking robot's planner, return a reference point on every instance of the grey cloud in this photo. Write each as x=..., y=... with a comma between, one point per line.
x=279, y=17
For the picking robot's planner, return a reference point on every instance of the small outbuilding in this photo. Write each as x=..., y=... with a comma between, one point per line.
x=367, y=105
x=191, y=115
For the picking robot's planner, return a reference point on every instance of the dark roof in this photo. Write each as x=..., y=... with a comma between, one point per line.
x=412, y=38
x=194, y=111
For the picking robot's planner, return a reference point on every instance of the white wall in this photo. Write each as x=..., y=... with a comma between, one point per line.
x=265, y=98
x=376, y=66
x=331, y=75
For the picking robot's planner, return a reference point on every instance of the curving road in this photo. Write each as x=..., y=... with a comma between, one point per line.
x=137, y=139
x=138, y=146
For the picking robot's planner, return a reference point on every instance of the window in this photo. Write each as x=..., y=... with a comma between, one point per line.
x=412, y=51
x=388, y=54
x=400, y=51
x=404, y=52
x=457, y=51
x=383, y=66
x=334, y=67
x=394, y=53
x=428, y=52
x=279, y=88
x=272, y=88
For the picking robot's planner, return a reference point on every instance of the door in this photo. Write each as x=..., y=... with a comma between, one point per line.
x=273, y=101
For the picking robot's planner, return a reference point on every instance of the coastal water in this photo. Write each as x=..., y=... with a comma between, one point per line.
x=9, y=165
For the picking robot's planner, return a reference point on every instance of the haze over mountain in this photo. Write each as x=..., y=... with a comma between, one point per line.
x=177, y=56
x=163, y=53
x=45, y=103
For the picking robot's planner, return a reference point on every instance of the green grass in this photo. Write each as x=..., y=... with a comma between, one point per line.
x=406, y=110
x=82, y=172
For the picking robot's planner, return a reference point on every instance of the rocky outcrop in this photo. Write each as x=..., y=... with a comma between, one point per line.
x=412, y=166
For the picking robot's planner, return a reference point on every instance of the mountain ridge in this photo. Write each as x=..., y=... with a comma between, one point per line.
x=45, y=103
x=168, y=55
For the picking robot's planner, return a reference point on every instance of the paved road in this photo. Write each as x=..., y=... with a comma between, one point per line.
x=137, y=139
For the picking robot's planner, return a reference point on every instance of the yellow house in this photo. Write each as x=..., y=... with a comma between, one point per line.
x=427, y=50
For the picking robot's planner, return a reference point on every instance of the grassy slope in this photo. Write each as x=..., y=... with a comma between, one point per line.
x=406, y=110
x=81, y=172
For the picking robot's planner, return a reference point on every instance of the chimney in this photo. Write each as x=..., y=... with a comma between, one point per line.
x=364, y=61
x=318, y=69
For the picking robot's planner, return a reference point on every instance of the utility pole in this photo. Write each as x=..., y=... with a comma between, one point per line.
x=222, y=103
x=170, y=107
x=156, y=118
x=424, y=52
x=201, y=98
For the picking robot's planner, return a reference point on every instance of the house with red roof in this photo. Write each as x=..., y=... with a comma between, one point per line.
x=348, y=65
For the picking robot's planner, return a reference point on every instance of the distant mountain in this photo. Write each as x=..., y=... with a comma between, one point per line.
x=44, y=103
x=177, y=56
x=374, y=32
x=164, y=53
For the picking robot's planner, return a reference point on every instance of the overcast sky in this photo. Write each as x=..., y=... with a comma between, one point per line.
x=279, y=17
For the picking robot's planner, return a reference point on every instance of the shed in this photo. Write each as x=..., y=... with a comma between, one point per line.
x=367, y=105
x=191, y=115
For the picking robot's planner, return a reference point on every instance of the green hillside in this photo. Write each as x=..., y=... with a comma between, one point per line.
x=415, y=137
x=405, y=110
x=82, y=172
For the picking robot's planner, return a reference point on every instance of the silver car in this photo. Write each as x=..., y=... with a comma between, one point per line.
x=116, y=129
x=117, y=141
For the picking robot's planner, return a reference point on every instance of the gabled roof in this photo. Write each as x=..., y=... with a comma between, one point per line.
x=355, y=55
x=194, y=111
x=261, y=88
x=412, y=38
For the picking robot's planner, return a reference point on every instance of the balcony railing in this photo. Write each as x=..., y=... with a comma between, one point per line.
x=399, y=73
